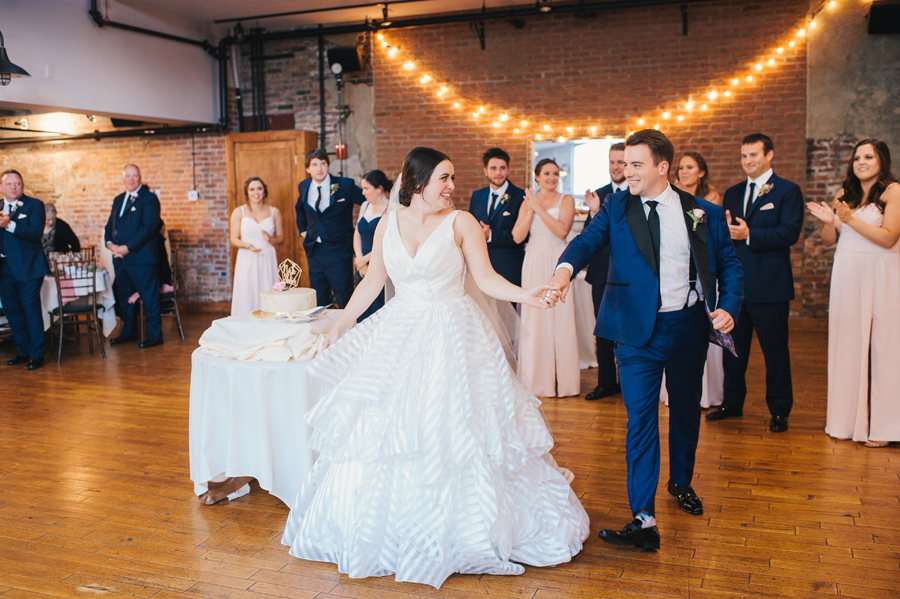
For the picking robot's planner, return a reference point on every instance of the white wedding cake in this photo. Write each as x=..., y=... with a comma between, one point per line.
x=281, y=303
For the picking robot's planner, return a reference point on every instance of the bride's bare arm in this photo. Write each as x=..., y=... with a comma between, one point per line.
x=367, y=290
x=470, y=236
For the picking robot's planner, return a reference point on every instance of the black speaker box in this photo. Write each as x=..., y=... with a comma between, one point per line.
x=884, y=17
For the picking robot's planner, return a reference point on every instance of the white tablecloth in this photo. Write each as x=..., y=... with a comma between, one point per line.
x=50, y=301
x=246, y=418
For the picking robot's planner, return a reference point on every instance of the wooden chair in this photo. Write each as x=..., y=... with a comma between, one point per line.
x=76, y=278
x=168, y=302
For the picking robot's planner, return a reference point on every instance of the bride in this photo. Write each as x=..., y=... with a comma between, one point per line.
x=433, y=458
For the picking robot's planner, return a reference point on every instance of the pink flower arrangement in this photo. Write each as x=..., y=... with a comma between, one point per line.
x=279, y=286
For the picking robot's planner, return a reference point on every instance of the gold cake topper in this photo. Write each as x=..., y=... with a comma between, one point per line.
x=289, y=273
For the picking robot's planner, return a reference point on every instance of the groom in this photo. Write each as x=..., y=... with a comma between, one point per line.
x=668, y=249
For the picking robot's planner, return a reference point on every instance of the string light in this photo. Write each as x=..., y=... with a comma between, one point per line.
x=713, y=94
x=832, y=4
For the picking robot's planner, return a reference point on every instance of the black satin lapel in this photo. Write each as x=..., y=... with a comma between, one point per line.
x=697, y=238
x=640, y=230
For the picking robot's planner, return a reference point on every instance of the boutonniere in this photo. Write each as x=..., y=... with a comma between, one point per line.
x=334, y=187
x=19, y=204
x=765, y=189
x=697, y=215
x=504, y=198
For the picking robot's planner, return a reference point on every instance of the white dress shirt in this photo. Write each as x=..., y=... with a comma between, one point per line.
x=762, y=180
x=499, y=191
x=128, y=194
x=674, y=252
x=312, y=194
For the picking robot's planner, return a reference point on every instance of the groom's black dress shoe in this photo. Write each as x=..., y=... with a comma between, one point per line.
x=600, y=392
x=121, y=339
x=779, y=424
x=150, y=343
x=19, y=359
x=687, y=499
x=723, y=412
x=632, y=534
x=36, y=363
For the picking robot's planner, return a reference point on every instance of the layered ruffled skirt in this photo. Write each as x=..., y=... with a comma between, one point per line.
x=433, y=458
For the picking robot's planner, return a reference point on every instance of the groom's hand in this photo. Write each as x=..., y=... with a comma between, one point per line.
x=722, y=320
x=560, y=282
x=487, y=230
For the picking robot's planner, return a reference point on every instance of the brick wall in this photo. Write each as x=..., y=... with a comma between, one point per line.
x=83, y=177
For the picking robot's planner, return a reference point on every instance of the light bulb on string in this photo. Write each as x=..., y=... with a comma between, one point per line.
x=379, y=37
x=667, y=114
x=593, y=128
x=392, y=52
x=689, y=106
x=425, y=79
x=680, y=117
x=656, y=127
x=516, y=131
x=801, y=33
x=537, y=136
x=727, y=93
x=792, y=43
x=496, y=124
x=713, y=95
x=570, y=129
x=481, y=109
x=771, y=62
x=524, y=123
x=640, y=121
x=456, y=105
x=504, y=117
x=780, y=50
x=704, y=107
x=546, y=127
x=749, y=78
x=384, y=44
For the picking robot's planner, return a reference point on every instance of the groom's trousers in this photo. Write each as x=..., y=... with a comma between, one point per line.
x=677, y=346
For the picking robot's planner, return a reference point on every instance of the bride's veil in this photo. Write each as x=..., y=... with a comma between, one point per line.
x=502, y=316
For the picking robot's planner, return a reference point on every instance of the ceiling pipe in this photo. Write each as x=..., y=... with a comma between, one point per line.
x=98, y=135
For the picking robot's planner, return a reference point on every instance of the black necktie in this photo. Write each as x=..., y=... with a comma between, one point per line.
x=653, y=221
x=318, y=198
x=749, y=199
x=492, y=205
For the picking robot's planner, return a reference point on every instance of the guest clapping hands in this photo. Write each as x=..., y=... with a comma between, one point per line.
x=863, y=322
x=548, y=355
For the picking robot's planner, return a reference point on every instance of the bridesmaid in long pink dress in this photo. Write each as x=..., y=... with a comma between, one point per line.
x=548, y=347
x=256, y=228
x=863, y=319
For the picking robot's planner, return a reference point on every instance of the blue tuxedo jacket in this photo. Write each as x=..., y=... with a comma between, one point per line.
x=629, y=307
x=136, y=228
x=775, y=220
x=335, y=224
x=598, y=268
x=24, y=253
x=506, y=255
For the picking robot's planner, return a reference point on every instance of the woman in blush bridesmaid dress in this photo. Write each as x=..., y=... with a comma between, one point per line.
x=256, y=228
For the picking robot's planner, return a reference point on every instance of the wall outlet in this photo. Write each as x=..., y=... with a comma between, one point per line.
x=193, y=195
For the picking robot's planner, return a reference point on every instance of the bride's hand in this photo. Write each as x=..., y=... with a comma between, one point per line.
x=541, y=297
x=332, y=336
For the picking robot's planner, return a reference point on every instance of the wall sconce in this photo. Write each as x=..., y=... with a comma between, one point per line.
x=544, y=5
x=386, y=20
x=9, y=70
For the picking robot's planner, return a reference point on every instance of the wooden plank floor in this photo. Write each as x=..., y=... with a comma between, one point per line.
x=95, y=499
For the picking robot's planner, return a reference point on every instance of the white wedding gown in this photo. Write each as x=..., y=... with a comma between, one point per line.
x=433, y=458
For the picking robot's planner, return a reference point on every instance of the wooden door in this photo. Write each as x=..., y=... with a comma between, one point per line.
x=276, y=157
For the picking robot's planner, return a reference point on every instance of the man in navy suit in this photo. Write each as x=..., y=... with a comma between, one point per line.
x=668, y=249
x=325, y=221
x=597, y=271
x=767, y=213
x=22, y=269
x=497, y=207
x=131, y=237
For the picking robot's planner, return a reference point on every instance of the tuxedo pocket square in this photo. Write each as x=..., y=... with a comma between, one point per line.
x=769, y=206
x=133, y=208
x=21, y=216
x=342, y=199
x=505, y=214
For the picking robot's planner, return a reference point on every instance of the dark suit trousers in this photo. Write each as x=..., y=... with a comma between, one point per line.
x=331, y=270
x=143, y=278
x=22, y=306
x=677, y=347
x=771, y=324
x=606, y=359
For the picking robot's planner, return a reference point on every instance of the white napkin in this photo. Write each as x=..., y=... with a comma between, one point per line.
x=261, y=340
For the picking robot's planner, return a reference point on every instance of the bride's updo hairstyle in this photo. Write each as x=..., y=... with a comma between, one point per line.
x=417, y=169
